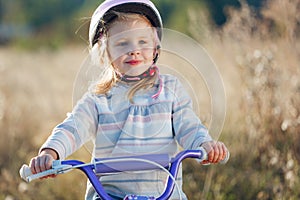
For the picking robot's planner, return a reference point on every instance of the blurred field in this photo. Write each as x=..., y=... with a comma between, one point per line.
x=35, y=94
x=260, y=64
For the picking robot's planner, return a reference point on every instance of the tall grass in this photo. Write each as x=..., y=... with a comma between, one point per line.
x=259, y=57
x=35, y=95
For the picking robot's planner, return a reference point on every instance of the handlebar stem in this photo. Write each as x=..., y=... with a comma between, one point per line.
x=175, y=168
x=88, y=170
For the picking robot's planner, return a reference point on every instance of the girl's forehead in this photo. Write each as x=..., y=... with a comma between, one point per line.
x=133, y=33
x=122, y=31
x=129, y=24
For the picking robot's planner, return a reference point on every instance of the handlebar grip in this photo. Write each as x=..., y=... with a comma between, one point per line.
x=25, y=171
x=26, y=174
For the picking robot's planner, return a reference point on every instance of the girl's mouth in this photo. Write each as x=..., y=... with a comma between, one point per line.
x=133, y=62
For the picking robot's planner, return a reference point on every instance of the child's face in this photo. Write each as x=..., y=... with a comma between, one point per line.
x=131, y=45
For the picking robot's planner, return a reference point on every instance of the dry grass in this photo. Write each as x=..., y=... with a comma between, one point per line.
x=35, y=95
x=259, y=62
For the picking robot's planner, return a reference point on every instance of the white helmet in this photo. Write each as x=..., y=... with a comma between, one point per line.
x=104, y=14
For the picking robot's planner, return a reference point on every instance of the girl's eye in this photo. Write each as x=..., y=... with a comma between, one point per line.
x=142, y=42
x=122, y=44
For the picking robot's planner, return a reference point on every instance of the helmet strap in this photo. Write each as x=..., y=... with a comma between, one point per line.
x=148, y=73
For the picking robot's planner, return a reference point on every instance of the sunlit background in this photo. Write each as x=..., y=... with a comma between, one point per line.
x=255, y=44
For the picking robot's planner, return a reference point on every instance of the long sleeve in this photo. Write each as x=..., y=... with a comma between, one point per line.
x=76, y=129
x=188, y=129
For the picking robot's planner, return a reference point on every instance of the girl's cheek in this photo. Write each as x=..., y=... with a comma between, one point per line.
x=150, y=53
x=117, y=53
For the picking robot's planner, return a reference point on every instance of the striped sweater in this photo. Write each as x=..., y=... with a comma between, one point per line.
x=118, y=127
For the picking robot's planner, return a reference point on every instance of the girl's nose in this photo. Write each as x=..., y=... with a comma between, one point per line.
x=135, y=52
x=134, y=49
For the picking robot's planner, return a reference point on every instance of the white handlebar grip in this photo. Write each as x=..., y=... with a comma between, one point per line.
x=25, y=172
x=203, y=155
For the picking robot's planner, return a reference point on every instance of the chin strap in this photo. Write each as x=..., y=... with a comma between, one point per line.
x=148, y=73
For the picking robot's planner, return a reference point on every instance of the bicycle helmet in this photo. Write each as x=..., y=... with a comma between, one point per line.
x=105, y=14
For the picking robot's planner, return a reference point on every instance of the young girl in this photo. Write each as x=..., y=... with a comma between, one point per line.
x=133, y=109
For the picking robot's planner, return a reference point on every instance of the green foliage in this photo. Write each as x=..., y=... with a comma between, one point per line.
x=43, y=13
x=48, y=23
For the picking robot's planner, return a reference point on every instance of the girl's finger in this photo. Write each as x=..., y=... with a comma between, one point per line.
x=210, y=151
x=48, y=162
x=211, y=155
x=216, y=153
x=42, y=163
x=36, y=166
x=32, y=165
x=222, y=152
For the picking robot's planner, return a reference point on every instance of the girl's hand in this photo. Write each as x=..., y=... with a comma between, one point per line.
x=216, y=151
x=43, y=161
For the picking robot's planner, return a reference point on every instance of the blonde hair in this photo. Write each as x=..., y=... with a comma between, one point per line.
x=110, y=75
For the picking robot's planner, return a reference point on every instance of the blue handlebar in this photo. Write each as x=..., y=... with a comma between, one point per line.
x=104, y=166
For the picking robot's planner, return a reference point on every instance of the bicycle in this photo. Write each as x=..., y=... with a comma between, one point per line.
x=123, y=164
